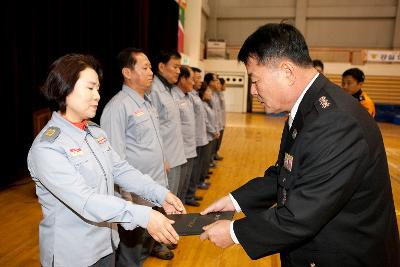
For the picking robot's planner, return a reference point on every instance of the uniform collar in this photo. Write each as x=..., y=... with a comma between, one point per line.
x=135, y=95
x=304, y=109
x=68, y=128
x=295, y=107
x=179, y=91
x=357, y=94
x=164, y=81
x=307, y=102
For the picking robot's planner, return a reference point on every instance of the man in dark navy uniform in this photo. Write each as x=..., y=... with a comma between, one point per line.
x=328, y=200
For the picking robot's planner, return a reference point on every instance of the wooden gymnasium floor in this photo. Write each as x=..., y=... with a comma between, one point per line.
x=250, y=145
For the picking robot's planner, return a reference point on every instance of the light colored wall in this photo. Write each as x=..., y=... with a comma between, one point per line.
x=242, y=29
x=368, y=69
x=324, y=23
x=192, y=29
x=358, y=33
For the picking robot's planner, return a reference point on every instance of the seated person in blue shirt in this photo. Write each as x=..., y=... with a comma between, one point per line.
x=75, y=168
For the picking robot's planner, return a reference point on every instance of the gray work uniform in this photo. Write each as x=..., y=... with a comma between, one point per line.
x=170, y=123
x=75, y=171
x=131, y=124
x=188, y=124
x=201, y=145
x=185, y=105
x=216, y=106
x=200, y=119
x=223, y=107
x=211, y=121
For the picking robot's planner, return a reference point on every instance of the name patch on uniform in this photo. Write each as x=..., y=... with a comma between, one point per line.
x=288, y=162
x=183, y=103
x=139, y=113
x=75, y=152
x=101, y=140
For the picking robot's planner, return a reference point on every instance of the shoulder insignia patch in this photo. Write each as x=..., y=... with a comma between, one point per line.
x=324, y=102
x=91, y=123
x=50, y=134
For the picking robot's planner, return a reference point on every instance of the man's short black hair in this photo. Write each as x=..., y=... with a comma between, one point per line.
x=318, y=63
x=276, y=41
x=164, y=56
x=196, y=69
x=209, y=77
x=185, y=72
x=356, y=73
x=127, y=57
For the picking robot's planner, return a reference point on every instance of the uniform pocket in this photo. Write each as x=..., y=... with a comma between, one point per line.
x=88, y=169
x=79, y=161
x=143, y=126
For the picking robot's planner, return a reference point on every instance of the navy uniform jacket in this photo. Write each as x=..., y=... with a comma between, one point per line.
x=332, y=188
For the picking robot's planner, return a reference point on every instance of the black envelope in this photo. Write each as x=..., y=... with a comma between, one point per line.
x=192, y=223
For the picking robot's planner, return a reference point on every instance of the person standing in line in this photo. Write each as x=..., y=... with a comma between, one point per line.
x=223, y=116
x=74, y=168
x=330, y=185
x=131, y=123
x=205, y=94
x=167, y=64
x=201, y=142
x=212, y=82
x=352, y=82
x=180, y=93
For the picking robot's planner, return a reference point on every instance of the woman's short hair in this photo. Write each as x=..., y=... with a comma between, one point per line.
x=63, y=74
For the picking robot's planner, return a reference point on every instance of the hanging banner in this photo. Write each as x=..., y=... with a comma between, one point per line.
x=181, y=24
x=382, y=55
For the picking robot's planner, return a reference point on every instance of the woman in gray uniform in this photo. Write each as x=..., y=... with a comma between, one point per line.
x=75, y=168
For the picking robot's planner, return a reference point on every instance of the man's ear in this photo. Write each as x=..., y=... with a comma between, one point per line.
x=288, y=69
x=161, y=67
x=126, y=72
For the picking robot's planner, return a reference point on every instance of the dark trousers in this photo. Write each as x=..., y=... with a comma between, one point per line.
x=106, y=261
x=186, y=171
x=214, y=149
x=196, y=172
x=134, y=248
x=206, y=160
x=219, y=141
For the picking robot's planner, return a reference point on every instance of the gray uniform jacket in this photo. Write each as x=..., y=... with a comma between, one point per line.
x=170, y=123
x=211, y=121
x=131, y=124
x=74, y=172
x=223, y=106
x=185, y=105
x=216, y=106
x=200, y=119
